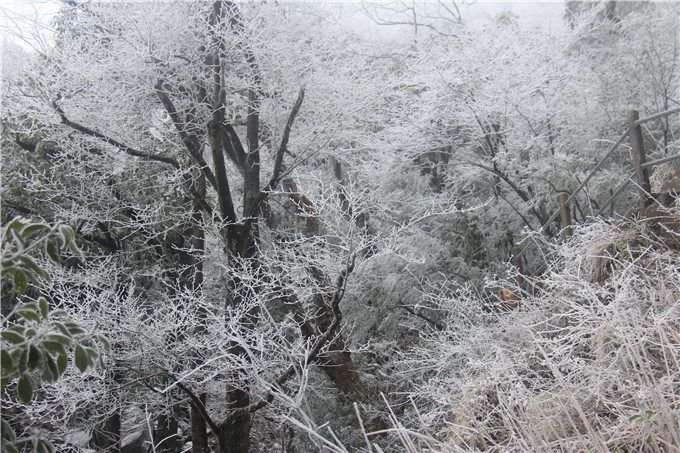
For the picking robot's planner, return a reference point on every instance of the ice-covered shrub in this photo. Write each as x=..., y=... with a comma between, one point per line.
x=588, y=361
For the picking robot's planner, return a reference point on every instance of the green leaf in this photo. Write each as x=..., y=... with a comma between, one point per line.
x=47, y=375
x=81, y=358
x=7, y=268
x=73, y=247
x=69, y=239
x=56, y=313
x=31, y=229
x=43, y=446
x=23, y=358
x=9, y=448
x=12, y=337
x=29, y=315
x=62, y=361
x=33, y=266
x=21, y=330
x=52, y=252
x=31, y=306
x=35, y=356
x=54, y=347
x=51, y=365
x=92, y=355
x=17, y=224
x=63, y=339
x=105, y=343
x=16, y=239
x=67, y=233
x=20, y=280
x=7, y=362
x=44, y=307
x=25, y=388
x=62, y=328
x=73, y=328
x=7, y=431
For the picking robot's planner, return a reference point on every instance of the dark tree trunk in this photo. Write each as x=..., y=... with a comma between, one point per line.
x=107, y=436
x=199, y=430
x=234, y=434
x=165, y=435
x=194, y=281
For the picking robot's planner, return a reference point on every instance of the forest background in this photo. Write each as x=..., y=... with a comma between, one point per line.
x=251, y=227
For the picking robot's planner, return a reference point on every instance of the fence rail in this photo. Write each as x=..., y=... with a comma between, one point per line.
x=633, y=131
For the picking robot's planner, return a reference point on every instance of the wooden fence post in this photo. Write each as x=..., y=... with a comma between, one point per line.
x=565, y=216
x=642, y=175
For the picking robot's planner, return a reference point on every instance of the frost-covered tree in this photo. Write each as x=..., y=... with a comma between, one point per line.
x=511, y=115
x=173, y=137
x=257, y=192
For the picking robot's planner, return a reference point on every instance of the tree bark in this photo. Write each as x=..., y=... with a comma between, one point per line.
x=234, y=436
x=337, y=361
x=165, y=435
x=199, y=430
x=193, y=280
x=642, y=175
x=107, y=436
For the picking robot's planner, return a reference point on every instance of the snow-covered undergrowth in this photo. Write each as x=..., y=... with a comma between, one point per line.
x=588, y=361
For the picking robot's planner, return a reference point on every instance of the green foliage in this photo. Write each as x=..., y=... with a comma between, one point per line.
x=20, y=239
x=36, y=339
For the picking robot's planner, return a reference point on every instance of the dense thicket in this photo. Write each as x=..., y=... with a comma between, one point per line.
x=285, y=225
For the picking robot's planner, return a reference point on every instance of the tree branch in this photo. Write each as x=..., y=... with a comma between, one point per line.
x=278, y=171
x=315, y=349
x=30, y=147
x=278, y=163
x=437, y=325
x=190, y=141
x=221, y=180
x=513, y=186
x=235, y=152
x=198, y=404
x=126, y=149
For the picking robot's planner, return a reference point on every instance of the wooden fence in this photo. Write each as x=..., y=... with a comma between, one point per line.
x=640, y=177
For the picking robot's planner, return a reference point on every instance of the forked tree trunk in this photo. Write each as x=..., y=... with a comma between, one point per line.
x=337, y=362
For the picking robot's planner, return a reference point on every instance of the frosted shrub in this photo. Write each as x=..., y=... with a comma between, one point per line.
x=589, y=361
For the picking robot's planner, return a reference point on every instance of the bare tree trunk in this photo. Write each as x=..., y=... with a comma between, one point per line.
x=107, y=437
x=194, y=281
x=337, y=362
x=234, y=436
x=165, y=435
x=199, y=430
x=641, y=173
x=234, y=432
